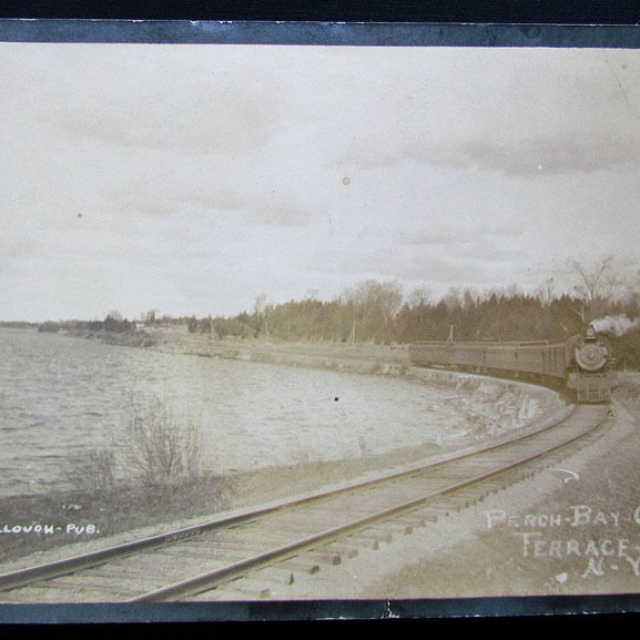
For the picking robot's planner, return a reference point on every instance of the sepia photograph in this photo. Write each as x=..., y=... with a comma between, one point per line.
x=318, y=323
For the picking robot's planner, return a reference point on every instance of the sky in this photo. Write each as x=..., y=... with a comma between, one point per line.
x=191, y=179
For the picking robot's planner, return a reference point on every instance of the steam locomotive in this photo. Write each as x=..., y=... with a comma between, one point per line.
x=581, y=365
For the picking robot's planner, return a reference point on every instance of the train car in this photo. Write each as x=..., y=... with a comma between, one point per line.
x=580, y=365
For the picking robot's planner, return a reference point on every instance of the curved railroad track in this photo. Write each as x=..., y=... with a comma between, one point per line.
x=221, y=559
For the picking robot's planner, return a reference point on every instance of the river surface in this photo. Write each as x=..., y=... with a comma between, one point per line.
x=62, y=398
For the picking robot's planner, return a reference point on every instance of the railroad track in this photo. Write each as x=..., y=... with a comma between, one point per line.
x=225, y=558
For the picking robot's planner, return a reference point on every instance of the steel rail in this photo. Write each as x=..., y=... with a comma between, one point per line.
x=24, y=577
x=211, y=579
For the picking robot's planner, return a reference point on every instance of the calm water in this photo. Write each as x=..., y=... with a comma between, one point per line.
x=62, y=397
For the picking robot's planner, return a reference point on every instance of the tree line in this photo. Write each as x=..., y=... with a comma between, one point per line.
x=381, y=313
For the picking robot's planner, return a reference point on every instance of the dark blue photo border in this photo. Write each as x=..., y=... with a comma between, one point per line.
x=394, y=34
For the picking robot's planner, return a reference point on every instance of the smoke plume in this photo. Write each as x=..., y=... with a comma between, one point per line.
x=618, y=325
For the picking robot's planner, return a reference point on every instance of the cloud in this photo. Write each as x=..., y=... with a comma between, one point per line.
x=513, y=155
x=541, y=155
x=482, y=262
x=449, y=229
x=513, y=112
x=226, y=126
x=280, y=212
x=453, y=238
x=199, y=100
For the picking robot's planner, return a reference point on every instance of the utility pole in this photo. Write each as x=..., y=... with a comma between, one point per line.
x=450, y=338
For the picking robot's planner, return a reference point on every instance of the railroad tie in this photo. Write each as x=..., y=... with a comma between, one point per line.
x=245, y=587
x=344, y=550
x=407, y=524
x=325, y=557
x=276, y=574
x=298, y=563
x=373, y=536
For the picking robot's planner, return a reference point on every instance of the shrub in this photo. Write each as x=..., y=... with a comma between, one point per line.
x=94, y=471
x=159, y=449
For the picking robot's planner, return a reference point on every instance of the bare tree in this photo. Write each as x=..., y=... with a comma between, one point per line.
x=382, y=297
x=632, y=293
x=596, y=283
x=261, y=309
x=453, y=298
x=612, y=286
x=311, y=294
x=420, y=296
x=114, y=315
x=374, y=306
x=592, y=278
x=260, y=304
x=546, y=291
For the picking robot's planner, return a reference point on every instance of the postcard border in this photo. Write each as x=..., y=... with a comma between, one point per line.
x=319, y=34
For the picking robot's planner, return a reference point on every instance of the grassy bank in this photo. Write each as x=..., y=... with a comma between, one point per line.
x=61, y=518
x=103, y=514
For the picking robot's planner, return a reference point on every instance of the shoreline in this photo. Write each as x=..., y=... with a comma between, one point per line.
x=152, y=508
x=145, y=511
